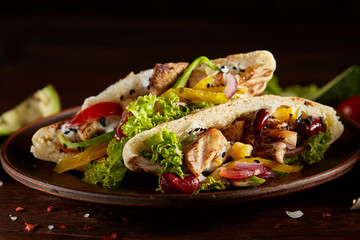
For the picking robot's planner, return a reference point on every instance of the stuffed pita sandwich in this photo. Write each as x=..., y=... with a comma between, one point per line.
x=169, y=91
x=244, y=142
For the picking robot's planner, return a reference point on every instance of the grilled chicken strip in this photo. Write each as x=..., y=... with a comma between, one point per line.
x=234, y=132
x=200, y=154
x=165, y=75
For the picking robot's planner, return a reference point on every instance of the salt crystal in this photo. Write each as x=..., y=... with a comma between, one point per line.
x=295, y=214
x=51, y=227
x=86, y=215
x=13, y=218
x=356, y=204
x=1, y=183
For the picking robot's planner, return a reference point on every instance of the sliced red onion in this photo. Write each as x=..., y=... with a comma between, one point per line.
x=231, y=85
x=248, y=166
x=296, y=151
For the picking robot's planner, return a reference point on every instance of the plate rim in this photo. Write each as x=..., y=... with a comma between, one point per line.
x=167, y=200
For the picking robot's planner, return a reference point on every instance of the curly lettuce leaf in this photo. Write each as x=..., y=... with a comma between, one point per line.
x=273, y=87
x=109, y=171
x=164, y=149
x=318, y=145
x=213, y=184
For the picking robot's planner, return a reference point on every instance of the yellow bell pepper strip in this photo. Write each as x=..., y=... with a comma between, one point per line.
x=94, y=152
x=282, y=167
x=183, y=79
x=286, y=114
x=209, y=81
x=196, y=96
x=80, y=145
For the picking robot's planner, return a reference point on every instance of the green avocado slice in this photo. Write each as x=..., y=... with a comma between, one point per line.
x=42, y=103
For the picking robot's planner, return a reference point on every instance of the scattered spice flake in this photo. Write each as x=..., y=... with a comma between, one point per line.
x=112, y=237
x=51, y=227
x=89, y=228
x=295, y=214
x=50, y=208
x=13, y=218
x=1, y=184
x=29, y=227
x=326, y=215
x=19, y=209
x=63, y=226
x=125, y=219
x=86, y=215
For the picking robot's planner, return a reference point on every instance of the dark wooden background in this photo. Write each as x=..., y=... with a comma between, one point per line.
x=81, y=47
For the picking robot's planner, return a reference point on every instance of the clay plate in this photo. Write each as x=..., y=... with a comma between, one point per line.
x=138, y=189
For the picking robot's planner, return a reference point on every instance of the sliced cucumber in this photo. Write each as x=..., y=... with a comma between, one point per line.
x=42, y=103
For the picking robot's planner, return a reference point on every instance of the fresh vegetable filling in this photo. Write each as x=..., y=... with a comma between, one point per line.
x=253, y=150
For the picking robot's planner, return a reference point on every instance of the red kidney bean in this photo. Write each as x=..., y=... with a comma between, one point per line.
x=259, y=121
x=170, y=183
x=311, y=126
x=118, y=131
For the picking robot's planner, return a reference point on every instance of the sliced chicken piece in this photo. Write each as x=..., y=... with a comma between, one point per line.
x=200, y=154
x=276, y=135
x=89, y=129
x=234, y=132
x=277, y=124
x=165, y=75
x=275, y=151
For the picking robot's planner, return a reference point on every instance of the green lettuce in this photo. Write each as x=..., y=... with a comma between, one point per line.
x=165, y=149
x=148, y=111
x=318, y=144
x=213, y=184
x=273, y=87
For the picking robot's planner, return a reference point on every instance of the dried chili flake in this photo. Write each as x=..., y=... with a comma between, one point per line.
x=63, y=226
x=19, y=209
x=112, y=237
x=126, y=219
x=29, y=227
x=50, y=208
x=89, y=227
x=326, y=215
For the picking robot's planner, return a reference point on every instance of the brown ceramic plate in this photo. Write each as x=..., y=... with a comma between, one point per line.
x=138, y=189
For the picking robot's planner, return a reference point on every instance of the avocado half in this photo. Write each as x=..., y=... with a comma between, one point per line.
x=42, y=103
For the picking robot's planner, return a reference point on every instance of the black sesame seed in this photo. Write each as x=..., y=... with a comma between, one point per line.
x=122, y=97
x=64, y=145
x=208, y=85
x=190, y=132
x=257, y=161
x=79, y=149
x=242, y=70
x=61, y=150
x=223, y=154
x=234, y=67
x=148, y=87
x=322, y=121
x=248, y=157
x=197, y=129
x=102, y=121
x=66, y=132
x=132, y=91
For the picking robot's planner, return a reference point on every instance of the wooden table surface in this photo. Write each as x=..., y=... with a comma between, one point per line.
x=82, y=51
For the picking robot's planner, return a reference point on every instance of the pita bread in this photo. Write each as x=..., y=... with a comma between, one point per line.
x=255, y=69
x=221, y=116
